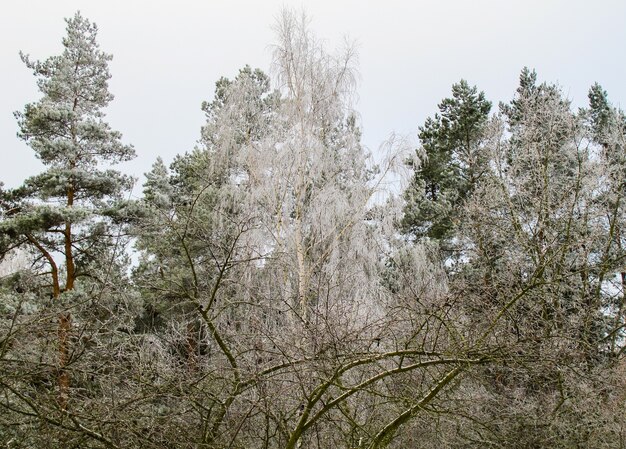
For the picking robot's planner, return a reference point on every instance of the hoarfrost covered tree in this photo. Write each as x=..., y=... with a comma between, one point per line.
x=277, y=302
x=284, y=157
x=188, y=207
x=607, y=128
x=195, y=235
x=267, y=233
x=327, y=313
x=536, y=239
x=323, y=191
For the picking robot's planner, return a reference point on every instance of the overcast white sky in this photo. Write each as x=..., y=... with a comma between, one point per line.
x=168, y=55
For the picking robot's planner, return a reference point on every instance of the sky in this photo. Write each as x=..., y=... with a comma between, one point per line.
x=168, y=56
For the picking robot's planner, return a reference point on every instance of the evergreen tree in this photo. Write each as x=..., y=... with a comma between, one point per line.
x=536, y=251
x=452, y=163
x=65, y=213
x=608, y=130
x=187, y=208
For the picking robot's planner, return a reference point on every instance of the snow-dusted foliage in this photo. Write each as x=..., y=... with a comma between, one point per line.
x=284, y=296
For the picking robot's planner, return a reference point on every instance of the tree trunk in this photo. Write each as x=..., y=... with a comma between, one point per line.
x=65, y=318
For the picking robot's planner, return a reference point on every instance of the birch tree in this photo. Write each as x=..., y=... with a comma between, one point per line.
x=277, y=302
x=301, y=336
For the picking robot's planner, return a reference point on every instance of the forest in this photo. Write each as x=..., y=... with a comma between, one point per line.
x=280, y=286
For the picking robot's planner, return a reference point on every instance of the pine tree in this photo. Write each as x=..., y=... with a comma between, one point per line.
x=187, y=208
x=608, y=130
x=453, y=162
x=536, y=251
x=65, y=213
